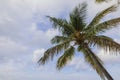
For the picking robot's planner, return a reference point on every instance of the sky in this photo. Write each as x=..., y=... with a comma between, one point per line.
x=25, y=34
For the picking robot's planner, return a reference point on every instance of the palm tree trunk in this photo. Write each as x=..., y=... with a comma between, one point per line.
x=108, y=76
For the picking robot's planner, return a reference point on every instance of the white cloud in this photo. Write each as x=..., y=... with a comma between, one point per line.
x=10, y=48
x=41, y=38
x=10, y=68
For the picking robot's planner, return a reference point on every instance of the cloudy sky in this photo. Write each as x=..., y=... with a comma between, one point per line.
x=25, y=34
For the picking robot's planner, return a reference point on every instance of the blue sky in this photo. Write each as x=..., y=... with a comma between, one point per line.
x=25, y=34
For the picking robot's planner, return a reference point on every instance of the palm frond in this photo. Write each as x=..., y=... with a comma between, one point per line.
x=78, y=16
x=67, y=56
x=105, y=42
x=62, y=25
x=100, y=15
x=100, y=1
x=59, y=39
x=106, y=25
x=53, y=51
x=95, y=62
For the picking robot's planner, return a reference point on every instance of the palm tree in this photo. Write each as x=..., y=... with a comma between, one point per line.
x=84, y=36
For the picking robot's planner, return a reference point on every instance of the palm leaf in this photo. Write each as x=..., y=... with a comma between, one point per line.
x=59, y=39
x=100, y=1
x=106, y=25
x=54, y=50
x=68, y=54
x=100, y=15
x=78, y=16
x=105, y=42
x=84, y=36
x=62, y=25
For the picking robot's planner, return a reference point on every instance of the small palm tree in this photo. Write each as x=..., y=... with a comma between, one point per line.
x=84, y=36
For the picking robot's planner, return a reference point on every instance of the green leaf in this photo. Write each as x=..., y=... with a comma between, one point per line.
x=59, y=39
x=62, y=25
x=78, y=16
x=106, y=43
x=100, y=15
x=67, y=56
x=52, y=51
x=100, y=1
x=106, y=25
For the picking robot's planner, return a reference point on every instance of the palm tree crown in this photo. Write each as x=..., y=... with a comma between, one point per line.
x=84, y=36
